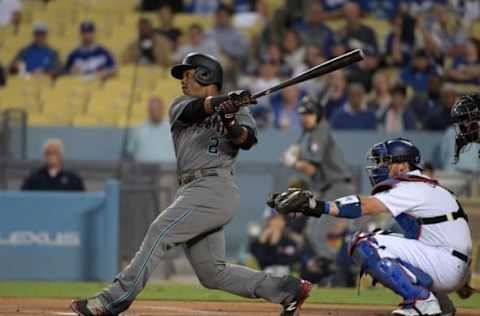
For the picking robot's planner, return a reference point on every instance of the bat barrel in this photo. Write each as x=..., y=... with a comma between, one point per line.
x=319, y=70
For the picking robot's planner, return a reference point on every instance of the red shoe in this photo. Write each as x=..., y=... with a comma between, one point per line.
x=293, y=308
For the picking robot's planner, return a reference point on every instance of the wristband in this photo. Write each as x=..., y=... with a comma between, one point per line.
x=234, y=129
x=215, y=101
x=349, y=207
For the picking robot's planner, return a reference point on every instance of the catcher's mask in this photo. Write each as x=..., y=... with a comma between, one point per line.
x=382, y=155
x=466, y=115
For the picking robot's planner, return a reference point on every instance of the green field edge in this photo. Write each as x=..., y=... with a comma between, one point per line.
x=172, y=291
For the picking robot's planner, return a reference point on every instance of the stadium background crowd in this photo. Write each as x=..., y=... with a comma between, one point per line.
x=106, y=64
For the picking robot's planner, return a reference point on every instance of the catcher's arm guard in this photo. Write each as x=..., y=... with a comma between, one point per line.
x=296, y=201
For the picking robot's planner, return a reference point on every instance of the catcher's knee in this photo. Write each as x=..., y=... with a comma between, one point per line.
x=362, y=249
x=211, y=275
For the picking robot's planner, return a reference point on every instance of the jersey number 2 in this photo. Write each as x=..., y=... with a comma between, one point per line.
x=213, y=145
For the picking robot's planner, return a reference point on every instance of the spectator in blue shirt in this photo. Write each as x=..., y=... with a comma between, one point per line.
x=418, y=74
x=354, y=115
x=398, y=117
x=334, y=96
x=90, y=58
x=466, y=68
x=285, y=107
x=38, y=57
x=314, y=31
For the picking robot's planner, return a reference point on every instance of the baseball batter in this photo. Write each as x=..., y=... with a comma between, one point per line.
x=208, y=131
x=433, y=256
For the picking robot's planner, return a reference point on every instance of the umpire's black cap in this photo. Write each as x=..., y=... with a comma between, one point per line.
x=308, y=106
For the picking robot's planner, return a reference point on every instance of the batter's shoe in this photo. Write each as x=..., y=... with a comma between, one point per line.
x=90, y=307
x=426, y=307
x=293, y=308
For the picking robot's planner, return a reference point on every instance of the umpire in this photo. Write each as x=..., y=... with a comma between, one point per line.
x=317, y=156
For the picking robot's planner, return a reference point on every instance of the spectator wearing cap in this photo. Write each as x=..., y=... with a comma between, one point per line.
x=232, y=43
x=165, y=19
x=419, y=72
x=285, y=108
x=400, y=41
x=354, y=114
x=314, y=31
x=398, y=117
x=52, y=176
x=149, y=47
x=90, y=58
x=196, y=42
x=439, y=118
x=38, y=56
x=293, y=50
x=313, y=57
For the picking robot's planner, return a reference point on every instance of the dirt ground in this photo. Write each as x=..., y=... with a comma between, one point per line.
x=52, y=307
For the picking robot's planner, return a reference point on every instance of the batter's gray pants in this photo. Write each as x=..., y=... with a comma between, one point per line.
x=195, y=220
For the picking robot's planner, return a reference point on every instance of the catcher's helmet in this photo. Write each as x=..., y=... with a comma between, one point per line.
x=466, y=115
x=395, y=150
x=207, y=69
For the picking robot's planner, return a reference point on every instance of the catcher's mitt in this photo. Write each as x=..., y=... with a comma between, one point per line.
x=295, y=201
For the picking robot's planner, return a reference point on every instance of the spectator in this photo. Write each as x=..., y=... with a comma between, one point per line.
x=334, y=96
x=398, y=117
x=468, y=10
x=422, y=104
x=52, y=176
x=231, y=42
x=334, y=7
x=443, y=34
x=8, y=8
x=149, y=47
x=381, y=96
x=275, y=55
x=165, y=18
x=418, y=74
x=150, y=141
x=197, y=43
x=356, y=34
x=285, y=109
x=37, y=57
x=204, y=7
x=90, y=58
x=399, y=43
x=466, y=68
x=315, y=32
x=354, y=114
x=267, y=77
x=3, y=77
x=293, y=51
x=154, y=5
x=313, y=57
x=439, y=117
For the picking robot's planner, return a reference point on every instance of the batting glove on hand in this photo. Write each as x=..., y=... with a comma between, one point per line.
x=296, y=201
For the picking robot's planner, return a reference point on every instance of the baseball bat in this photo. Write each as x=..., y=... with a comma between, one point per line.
x=319, y=70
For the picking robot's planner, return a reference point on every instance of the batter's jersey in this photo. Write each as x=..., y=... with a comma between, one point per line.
x=319, y=147
x=409, y=200
x=199, y=145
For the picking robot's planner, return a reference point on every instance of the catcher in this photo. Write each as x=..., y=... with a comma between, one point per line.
x=434, y=224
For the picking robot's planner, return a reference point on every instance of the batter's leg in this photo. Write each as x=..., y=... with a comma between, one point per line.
x=206, y=254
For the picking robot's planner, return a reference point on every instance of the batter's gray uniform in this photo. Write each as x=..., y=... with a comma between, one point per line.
x=195, y=220
x=331, y=181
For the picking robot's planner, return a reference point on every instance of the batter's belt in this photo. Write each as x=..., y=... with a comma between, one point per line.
x=189, y=176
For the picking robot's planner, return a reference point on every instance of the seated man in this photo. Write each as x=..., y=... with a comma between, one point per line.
x=433, y=256
x=52, y=176
x=38, y=56
x=90, y=58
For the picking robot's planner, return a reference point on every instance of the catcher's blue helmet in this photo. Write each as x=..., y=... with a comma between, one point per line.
x=395, y=150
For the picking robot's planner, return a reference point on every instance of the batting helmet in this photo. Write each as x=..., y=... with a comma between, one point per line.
x=311, y=105
x=207, y=69
x=395, y=150
x=466, y=115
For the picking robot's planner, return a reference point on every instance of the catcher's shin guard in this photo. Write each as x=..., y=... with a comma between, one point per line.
x=404, y=279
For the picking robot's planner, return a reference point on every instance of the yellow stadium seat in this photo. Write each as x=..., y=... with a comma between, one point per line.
x=381, y=27
x=39, y=120
x=85, y=121
x=183, y=21
x=132, y=122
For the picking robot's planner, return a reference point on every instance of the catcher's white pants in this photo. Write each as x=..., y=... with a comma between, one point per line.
x=449, y=273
